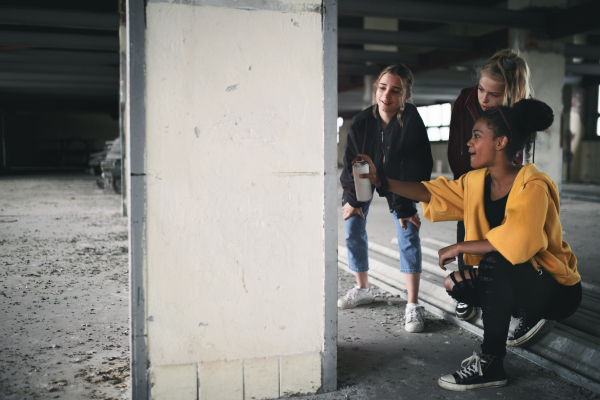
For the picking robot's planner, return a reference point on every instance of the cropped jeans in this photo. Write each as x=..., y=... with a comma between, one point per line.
x=409, y=244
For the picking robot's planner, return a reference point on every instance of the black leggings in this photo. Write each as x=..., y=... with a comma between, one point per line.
x=502, y=289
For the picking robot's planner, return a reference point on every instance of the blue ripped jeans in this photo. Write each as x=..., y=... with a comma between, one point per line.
x=409, y=244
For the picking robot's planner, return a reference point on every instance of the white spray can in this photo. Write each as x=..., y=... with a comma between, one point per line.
x=362, y=185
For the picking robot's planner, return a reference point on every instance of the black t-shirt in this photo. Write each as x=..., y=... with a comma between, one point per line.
x=494, y=209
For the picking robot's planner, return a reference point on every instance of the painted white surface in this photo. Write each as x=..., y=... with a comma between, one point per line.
x=235, y=196
x=170, y=379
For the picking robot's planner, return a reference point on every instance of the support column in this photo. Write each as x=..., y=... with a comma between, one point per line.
x=122, y=101
x=135, y=126
x=233, y=198
x=547, y=64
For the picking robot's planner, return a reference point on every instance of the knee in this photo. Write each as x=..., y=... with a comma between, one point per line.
x=449, y=283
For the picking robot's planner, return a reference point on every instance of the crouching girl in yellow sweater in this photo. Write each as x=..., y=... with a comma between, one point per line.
x=513, y=233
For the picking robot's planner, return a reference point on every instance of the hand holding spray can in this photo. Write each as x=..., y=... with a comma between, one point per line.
x=362, y=185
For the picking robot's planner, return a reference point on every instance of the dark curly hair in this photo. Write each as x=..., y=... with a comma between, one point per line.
x=519, y=124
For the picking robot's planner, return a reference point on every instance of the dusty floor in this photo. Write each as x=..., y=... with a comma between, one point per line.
x=379, y=360
x=64, y=312
x=63, y=290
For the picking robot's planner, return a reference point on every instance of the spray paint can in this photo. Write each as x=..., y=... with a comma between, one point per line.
x=362, y=185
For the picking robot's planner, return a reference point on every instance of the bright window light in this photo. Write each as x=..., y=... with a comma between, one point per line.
x=434, y=134
x=444, y=132
x=446, y=113
x=437, y=120
x=435, y=115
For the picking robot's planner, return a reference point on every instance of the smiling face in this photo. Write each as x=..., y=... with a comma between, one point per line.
x=483, y=146
x=389, y=94
x=490, y=92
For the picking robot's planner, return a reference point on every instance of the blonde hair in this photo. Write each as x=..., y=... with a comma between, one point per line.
x=405, y=75
x=506, y=66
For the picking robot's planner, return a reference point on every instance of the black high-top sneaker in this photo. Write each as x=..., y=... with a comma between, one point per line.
x=527, y=329
x=465, y=312
x=476, y=372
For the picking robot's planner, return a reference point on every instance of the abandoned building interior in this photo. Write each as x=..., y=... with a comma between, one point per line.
x=217, y=129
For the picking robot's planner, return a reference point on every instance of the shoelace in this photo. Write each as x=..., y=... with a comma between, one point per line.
x=520, y=326
x=412, y=315
x=352, y=293
x=461, y=305
x=470, y=366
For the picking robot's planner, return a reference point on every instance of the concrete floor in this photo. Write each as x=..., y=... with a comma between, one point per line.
x=64, y=309
x=64, y=304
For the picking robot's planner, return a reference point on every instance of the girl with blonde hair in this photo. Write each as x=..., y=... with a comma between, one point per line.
x=392, y=133
x=504, y=79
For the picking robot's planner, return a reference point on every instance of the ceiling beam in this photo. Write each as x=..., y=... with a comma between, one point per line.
x=582, y=51
x=358, y=69
x=59, y=56
x=445, y=78
x=45, y=103
x=59, y=40
x=50, y=68
x=409, y=39
x=583, y=69
x=38, y=78
x=382, y=57
x=444, y=13
x=58, y=18
x=62, y=86
x=574, y=20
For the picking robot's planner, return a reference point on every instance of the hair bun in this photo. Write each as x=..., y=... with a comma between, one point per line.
x=533, y=115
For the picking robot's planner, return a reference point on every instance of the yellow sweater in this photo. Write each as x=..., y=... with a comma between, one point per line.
x=531, y=229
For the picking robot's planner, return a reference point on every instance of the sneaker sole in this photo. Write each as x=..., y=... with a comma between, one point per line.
x=540, y=329
x=463, y=318
x=416, y=330
x=463, y=388
x=355, y=305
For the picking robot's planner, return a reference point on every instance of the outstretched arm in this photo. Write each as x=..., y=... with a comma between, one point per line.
x=411, y=190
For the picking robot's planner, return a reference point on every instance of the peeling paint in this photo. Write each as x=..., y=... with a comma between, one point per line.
x=232, y=87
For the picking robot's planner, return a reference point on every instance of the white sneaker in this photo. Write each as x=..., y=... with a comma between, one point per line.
x=355, y=297
x=415, y=322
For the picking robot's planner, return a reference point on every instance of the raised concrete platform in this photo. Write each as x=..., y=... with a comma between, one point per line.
x=580, y=191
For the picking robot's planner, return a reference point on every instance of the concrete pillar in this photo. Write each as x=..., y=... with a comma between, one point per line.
x=233, y=198
x=122, y=101
x=547, y=64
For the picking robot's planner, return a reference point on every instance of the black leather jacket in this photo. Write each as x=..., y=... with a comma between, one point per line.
x=401, y=153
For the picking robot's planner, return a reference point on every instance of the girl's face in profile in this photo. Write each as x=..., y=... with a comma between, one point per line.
x=482, y=145
x=490, y=92
x=389, y=93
